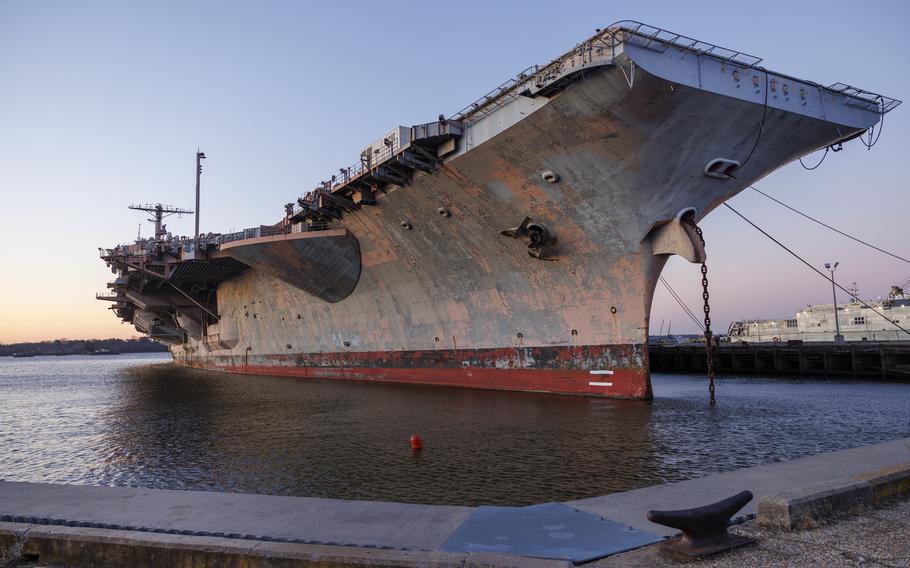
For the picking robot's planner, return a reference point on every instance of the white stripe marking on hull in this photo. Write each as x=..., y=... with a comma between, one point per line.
x=597, y=384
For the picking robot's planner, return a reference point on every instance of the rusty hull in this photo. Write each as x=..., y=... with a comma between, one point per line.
x=449, y=300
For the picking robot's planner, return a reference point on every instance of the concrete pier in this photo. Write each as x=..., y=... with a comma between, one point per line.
x=861, y=359
x=76, y=524
x=631, y=507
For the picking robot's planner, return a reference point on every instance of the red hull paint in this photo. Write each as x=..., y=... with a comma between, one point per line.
x=489, y=369
x=625, y=383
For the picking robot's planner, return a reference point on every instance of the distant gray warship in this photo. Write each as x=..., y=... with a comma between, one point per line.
x=853, y=320
x=515, y=245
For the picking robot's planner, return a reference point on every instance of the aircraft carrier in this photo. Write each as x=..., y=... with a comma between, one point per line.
x=513, y=245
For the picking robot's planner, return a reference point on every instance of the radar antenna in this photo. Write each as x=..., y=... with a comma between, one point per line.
x=160, y=212
x=853, y=290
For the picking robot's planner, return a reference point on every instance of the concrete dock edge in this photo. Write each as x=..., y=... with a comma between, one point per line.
x=71, y=525
x=814, y=505
x=79, y=546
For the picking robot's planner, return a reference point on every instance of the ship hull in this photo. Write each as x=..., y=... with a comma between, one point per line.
x=443, y=298
x=581, y=370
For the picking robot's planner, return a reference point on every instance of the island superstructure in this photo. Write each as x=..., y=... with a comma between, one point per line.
x=514, y=245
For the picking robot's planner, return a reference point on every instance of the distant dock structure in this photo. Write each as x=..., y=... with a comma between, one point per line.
x=885, y=360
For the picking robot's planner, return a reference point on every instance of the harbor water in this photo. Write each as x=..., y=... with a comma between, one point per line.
x=141, y=420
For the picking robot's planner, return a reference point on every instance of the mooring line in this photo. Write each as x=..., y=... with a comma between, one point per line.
x=838, y=231
x=817, y=271
x=682, y=304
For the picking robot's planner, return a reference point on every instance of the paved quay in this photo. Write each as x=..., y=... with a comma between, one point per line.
x=237, y=515
x=877, y=538
x=401, y=533
x=631, y=507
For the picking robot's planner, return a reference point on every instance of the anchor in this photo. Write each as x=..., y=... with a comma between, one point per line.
x=704, y=529
x=540, y=238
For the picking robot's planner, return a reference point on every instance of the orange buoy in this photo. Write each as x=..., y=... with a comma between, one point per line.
x=416, y=442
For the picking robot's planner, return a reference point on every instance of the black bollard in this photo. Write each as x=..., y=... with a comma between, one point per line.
x=704, y=529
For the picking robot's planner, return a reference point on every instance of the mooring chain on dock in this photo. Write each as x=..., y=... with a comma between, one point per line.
x=709, y=337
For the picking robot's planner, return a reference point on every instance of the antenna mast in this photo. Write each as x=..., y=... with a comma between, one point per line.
x=199, y=157
x=160, y=212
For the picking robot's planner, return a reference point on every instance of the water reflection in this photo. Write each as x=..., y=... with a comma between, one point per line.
x=350, y=440
x=117, y=421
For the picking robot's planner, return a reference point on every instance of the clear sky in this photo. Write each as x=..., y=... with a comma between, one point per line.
x=104, y=103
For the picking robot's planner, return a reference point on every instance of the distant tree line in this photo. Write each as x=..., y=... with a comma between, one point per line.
x=83, y=347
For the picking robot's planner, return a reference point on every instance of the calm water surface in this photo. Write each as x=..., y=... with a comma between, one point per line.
x=140, y=420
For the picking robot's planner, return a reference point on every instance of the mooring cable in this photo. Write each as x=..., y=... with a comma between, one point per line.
x=819, y=272
x=838, y=231
x=827, y=148
x=681, y=303
x=761, y=124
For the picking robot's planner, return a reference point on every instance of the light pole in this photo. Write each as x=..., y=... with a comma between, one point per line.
x=838, y=338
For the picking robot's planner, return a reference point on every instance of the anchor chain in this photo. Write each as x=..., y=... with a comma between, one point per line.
x=709, y=336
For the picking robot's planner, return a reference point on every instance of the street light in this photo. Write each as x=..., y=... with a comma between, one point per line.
x=838, y=338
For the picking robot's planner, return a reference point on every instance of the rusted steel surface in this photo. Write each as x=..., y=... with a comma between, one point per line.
x=578, y=370
x=627, y=160
x=597, y=164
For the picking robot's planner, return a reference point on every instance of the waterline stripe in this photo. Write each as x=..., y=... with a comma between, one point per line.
x=596, y=384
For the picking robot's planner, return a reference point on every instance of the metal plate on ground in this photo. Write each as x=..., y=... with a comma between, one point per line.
x=548, y=530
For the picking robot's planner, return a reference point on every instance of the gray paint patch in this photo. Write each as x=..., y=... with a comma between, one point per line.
x=548, y=530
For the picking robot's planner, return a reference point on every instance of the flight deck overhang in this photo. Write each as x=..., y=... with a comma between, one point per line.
x=168, y=287
x=627, y=45
x=325, y=264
